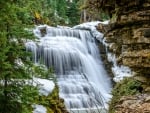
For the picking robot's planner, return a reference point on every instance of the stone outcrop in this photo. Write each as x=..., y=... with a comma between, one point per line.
x=129, y=32
x=134, y=104
x=128, y=37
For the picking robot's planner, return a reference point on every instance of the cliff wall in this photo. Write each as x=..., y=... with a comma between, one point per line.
x=129, y=36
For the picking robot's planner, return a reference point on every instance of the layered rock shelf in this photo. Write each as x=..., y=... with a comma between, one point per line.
x=128, y=37
x=129, y=33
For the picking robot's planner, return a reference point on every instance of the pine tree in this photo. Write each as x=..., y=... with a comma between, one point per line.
x=73, y=13
x=13, y=22
x=61, y=8
x=16, y=18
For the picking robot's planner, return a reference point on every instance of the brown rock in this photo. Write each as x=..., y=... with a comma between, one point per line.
x=141, y=79
x=147, y=89
x=133, y=104
x=147, y=33
x=129, y=31
x=147, y=99
x=43, y=31
x=129, y=39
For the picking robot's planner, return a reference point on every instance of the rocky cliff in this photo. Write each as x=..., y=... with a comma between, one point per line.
x=129, y=33
x=129, y=36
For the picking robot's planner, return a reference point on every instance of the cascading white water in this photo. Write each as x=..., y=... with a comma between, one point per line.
x=74, y=56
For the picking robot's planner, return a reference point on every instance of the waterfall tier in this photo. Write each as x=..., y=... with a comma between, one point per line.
x=74, y=56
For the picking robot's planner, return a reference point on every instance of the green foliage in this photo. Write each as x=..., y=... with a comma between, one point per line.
x=20, y=97
x=126, y=87
x=13, y=22
x=61, y=8
x=17, y=17
x=52, y=102
x=52, y=12
x=93, y=10
x=41, y=71
x=64, y=12
x=73, y=13
x=104, y=16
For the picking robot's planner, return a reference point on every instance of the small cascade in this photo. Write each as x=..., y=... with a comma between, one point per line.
x=74, y=56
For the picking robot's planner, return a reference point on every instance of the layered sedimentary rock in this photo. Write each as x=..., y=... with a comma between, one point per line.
x=129, y=32
x=128, y=37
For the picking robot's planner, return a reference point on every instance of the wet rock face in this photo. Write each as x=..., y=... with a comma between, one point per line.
x=129, y=32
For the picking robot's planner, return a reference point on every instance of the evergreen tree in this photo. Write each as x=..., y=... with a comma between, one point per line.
x=92, y=10
x=16, y=18
x=13, y=22
x=73, y=13
x=61, y=8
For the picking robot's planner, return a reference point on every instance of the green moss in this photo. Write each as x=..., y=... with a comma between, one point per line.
x=128, y=86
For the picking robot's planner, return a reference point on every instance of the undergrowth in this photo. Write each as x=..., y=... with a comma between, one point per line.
x=52, y=102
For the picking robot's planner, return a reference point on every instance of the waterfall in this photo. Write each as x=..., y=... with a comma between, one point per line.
x=74, y=56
